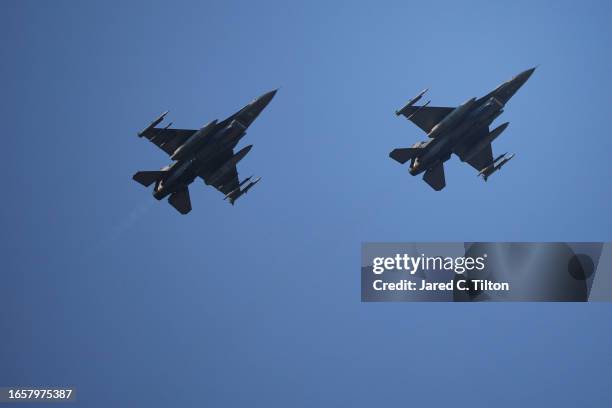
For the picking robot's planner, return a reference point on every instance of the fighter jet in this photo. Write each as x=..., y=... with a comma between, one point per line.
x=495, y=165
x=207, y=153
x=463, y=130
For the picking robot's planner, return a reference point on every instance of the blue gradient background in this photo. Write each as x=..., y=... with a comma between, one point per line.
x=258, y=304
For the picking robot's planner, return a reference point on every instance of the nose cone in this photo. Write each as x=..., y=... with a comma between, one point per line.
x=524, y=76
x=521, y=78
x=265, y=99
x=250, y=112
x=508, y=89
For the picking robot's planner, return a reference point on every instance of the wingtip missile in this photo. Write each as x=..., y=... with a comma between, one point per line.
x=250, y=185
x=418, y=110
x=504, y=161
x=155, y=122
x=498, y=158
x=412, y=102
x=490, y=168
x=237, y=192
x=244, y=181
x=495, y=165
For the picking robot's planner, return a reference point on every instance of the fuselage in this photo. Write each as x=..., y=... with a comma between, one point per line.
x=463, y=128
x=204, y=160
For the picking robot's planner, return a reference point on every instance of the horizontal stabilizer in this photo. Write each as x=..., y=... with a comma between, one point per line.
x=403, y=155
x=146, y=178
x=435, y=177
x=180, y=200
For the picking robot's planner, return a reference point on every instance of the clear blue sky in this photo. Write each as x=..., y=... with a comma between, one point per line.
x=258, y=304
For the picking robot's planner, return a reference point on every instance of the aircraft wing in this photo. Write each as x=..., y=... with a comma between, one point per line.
x=229, y=182
x=483, y=158
x=168, y=139
x=426, y=117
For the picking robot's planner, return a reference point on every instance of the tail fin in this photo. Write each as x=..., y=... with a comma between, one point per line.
x=403, y=155
x=146, y=178
x=180, y=200
x=435, y=177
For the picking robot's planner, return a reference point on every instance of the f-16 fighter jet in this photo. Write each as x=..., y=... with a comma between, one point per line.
x=463, y=130
x=207, y=153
